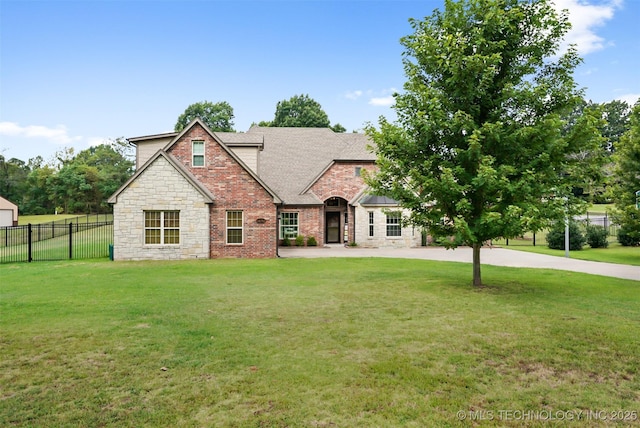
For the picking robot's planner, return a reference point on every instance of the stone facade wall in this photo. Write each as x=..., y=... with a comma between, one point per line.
x=160, y=187
x=233, y=189
x=411, y=237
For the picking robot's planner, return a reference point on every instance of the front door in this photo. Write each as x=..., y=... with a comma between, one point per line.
x=332, y=221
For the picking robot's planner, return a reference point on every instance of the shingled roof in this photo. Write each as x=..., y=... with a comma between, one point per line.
x=293, y=157
x=290, y=159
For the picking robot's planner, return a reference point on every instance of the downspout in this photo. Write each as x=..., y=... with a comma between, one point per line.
x=278, y=230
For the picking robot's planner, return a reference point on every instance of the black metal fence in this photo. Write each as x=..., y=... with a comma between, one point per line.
x=594, y=219
x=56, y=241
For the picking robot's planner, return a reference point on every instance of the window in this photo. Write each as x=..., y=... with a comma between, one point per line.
x=370, y=223
x=393, y=224
x=197, y=149
x=162, y=227
x=288, y=225
x=333, y=202
x=358, y=171
x=234, y=227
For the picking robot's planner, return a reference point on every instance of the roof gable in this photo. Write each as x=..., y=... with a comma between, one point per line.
x=294, y=158
x=215, y=137
x=290, y=160
x=208, y=197
x=7, y=204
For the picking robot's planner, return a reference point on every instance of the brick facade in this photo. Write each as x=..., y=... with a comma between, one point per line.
x=327, y=204
x=341, y=180
x=310, y=221
x=234, y=189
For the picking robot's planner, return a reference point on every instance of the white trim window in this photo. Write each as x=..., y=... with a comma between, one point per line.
x=288, y=225
x=162, y=227
x=197, y=151
x=235, y=228
x=371, y=224
x=394, y=227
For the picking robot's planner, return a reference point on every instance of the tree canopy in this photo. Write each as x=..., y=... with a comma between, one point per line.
x=478, y=150
x=301, y=111
x=626, y=178
x=217, y=116
x=69, y=183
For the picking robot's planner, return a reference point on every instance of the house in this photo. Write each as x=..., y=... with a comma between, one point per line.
x=204, y=194
x=8, y=213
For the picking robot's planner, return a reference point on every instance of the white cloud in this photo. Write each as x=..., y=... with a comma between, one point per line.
x=585, y=18
x=630, y=99
x=58, y=135
x=353, y=95
x=385, y=98
x=96, y=141
x=382, y=101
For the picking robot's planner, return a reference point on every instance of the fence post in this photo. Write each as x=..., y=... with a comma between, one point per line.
x=70, y=241
x=29, y=233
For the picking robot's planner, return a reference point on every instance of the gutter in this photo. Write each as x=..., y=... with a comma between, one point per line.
x=278, y=229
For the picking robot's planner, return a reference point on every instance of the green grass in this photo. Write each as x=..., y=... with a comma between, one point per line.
x=87, y=243
x=310, y=342
x=47, y=218
x=600, y=209
x=23, y=220
x=615, y=253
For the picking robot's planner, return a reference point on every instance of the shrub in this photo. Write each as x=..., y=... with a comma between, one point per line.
x=447, y=241
x=555, y=237
x=299, y=241
x=311, y=241
x=601, y=198
x=597, y=236
x=627, y=237
x=286, y=242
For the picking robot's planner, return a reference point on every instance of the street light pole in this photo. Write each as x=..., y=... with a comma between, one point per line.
x=566, y=236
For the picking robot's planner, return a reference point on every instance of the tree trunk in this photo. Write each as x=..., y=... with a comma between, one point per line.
x=477, y=279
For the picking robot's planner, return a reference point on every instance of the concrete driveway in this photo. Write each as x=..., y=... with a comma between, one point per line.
x=488, y=256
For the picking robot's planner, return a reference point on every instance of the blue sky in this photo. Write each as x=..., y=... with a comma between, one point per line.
x=76, y=73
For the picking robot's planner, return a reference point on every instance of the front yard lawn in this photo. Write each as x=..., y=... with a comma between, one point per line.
x=313, y=342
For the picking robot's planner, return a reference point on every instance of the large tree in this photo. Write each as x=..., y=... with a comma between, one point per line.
x=301, y=111
x=478, y=150
x=114, y=166
x=626, y=178
x=616, y=116
x=217, y=116
x=13, y=179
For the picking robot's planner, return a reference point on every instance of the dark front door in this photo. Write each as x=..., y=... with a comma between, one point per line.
x=332, y=221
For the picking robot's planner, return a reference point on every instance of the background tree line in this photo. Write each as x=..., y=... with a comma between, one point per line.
x=81, y=183
x=69, y=183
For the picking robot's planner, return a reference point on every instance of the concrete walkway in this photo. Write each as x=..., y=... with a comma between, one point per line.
x=488, y=256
